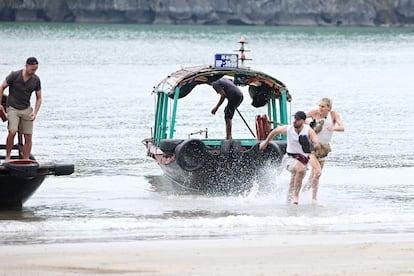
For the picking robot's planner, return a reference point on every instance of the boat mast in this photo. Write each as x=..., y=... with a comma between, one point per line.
x=243, y=41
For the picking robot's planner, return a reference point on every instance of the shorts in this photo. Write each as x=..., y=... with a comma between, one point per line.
x=17, y=117
x=289, y=162
x=231, y=107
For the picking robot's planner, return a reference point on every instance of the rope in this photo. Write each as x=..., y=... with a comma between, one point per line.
x=245, y=123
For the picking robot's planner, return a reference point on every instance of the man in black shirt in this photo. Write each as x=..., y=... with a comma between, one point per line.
x=227, y=90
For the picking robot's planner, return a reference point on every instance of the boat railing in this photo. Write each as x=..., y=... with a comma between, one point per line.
x=3, y=147
x=217, y=142
x=205, y=131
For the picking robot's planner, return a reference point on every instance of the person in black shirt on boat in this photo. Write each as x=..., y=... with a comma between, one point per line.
x=20, y=114
x=227, y=90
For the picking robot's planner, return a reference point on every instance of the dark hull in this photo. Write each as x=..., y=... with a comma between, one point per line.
x=214, y=179
x=230, y=172
x=14, y=190
x=19, y=179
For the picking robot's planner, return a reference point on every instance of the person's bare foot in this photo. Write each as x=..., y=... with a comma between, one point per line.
x=295, y=200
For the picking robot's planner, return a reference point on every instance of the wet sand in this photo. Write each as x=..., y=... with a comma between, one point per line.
x=288, y=255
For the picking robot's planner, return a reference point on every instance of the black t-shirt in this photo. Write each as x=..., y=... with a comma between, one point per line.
x=20, y=91
x=231, y=90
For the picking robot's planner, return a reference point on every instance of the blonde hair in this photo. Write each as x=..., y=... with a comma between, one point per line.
x=328, y=102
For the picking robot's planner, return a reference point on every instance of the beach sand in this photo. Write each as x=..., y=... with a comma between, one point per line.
x=282, y=255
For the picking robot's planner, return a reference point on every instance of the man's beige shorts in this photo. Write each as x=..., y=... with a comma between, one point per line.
x=22, y=117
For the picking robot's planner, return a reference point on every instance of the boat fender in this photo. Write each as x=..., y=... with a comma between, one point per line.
x=259, y=128
x=190, y=155
x=64, y=169
x=168, y=145
x=266, y=125
x=230, y=146
x=272, y=147
x=272, y=151
x=262, y=127
x=3, y=114
x=282, y=144
x=22, y=167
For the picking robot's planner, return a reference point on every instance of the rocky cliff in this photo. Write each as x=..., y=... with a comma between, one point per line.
x=214, y=12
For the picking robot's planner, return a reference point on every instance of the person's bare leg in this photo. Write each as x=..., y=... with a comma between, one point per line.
x=315, y=186
x=27, y=148
x=308, y=183
x=316, y=170
x=315, y=183
x=9, y=144
x=300, y=171
x=291, y=189
x=20, y=143
x=228, y=128
x=315, y=164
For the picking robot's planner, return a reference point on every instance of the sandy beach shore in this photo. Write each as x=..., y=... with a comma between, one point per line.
x=287, y=255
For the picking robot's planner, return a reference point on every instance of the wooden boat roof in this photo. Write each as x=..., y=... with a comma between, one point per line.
x=189, y=77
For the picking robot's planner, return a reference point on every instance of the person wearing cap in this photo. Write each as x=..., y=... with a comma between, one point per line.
x=301, y=139
x=227, y=90
x=20, y=114
x=324, y=121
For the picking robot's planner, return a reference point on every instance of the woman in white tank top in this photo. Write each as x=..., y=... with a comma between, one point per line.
x=326, y=121
x=296, y=151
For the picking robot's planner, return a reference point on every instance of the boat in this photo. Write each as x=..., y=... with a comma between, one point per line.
x=20, y=178
x=214, y=165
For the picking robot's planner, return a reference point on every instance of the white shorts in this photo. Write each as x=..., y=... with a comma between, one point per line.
x=289, y=162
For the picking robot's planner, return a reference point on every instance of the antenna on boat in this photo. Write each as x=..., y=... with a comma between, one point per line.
x=243, y=41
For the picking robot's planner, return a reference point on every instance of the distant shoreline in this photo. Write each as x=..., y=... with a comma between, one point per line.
x=376, y=13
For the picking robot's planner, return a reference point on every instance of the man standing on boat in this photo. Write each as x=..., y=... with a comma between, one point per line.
x=227, y=90
x=20, y=114
x=297, y=151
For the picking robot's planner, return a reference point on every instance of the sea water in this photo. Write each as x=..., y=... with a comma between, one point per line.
x=97, y=108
